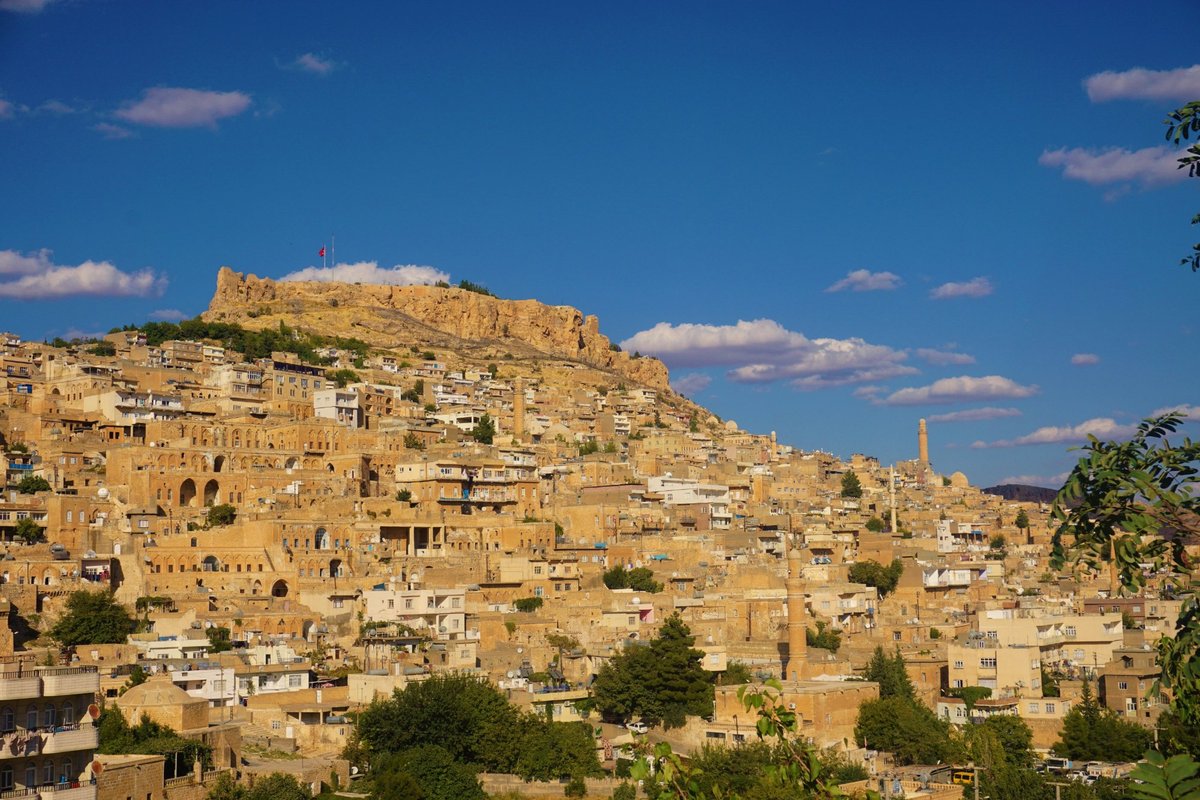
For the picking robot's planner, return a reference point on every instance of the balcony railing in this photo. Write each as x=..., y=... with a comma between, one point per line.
x=20, y=685
x=60, y=681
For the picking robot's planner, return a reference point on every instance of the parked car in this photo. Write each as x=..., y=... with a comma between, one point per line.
x=637, y=727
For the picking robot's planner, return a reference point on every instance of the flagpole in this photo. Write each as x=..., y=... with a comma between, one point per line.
x=333, y=249
x=322, y=257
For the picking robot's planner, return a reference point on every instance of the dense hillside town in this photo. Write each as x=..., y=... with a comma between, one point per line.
x=245, y=533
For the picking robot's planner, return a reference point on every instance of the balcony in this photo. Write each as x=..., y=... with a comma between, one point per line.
x=20, y=685
x=62, y=681
x=68, y=741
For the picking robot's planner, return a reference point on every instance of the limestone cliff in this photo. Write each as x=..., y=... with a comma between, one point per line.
x=393, y=316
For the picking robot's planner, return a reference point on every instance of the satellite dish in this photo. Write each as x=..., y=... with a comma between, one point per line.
x=94, y=711
x=97, y=767
x=511, y=674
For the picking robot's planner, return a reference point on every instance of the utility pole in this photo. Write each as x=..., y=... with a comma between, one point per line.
x=1057, y=789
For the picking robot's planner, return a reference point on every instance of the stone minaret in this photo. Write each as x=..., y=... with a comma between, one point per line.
x=892, y=489
x=518, y=410
x=922, y=443
x=797, y=629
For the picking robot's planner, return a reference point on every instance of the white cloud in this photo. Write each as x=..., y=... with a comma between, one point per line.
x=110, y=131
x=6, y=109
x=42, y=279
x=370, y=272
x=168, y=315
x=863, y=280
x=961, y=389
x=165, y=107
x=1085, y=359
x=311, y=62
x=691, y=384
x=74, y=334
x=942, y=358
x=56, y=107
x=1048, y=481
x=1100, y=427
x=976, y=287
x=24, y=6
x=1192, y=412
x=1150, y=166
x=1144, y=84
x=976, y=415
x=762, y=350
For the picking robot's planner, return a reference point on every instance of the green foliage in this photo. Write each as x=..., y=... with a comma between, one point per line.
x=434, y=772
x=1022, y=520
x=997, y=542
x=226, y=787
x=404, y=496
x=640, y=579
x=106, y=349
x=1118, y=505
x=117, y=737
x=1091, y=732
x=342, y=377
x=610, y=447
x=413, y=395
x=788, y=768
x=575, y=788
x=889, y=672
x=872, y=573
x=970, y=694
x=823, y=637
x=589, y=447
x=484, y=430
x=277, y=786
x=736, y=672
x=252, y=344
x=413, y=442
x=1174, y=737
x=528, y=605
x=31, y=484
x=1005, y=734
x=29, y=532
x=219, y=639
x=662, y=681
x=221, y=514
x=1174, y=778
x=474, y=287
x=92, y=618
x=625, y=791
x=935, y=633
x=851, y=486
x=1050, y=683
x=905, y=727
x=875, y=525
x=1181, y=123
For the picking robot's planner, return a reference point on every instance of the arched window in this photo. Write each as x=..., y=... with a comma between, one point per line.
x=68, y=714
x=7, y=722
x=49, y=716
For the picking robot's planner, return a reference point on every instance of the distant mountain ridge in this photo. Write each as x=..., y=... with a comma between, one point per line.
x=1022, y=493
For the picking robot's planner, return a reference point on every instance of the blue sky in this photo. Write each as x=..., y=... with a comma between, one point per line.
x=830, y=219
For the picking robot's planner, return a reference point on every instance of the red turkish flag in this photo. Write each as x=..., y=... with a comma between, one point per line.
x=322, y=253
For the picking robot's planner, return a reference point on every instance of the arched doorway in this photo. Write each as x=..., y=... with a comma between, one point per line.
x=335, y=567
x=322, y=539
x=187, y=493
x=211, y=493
x=211, y=564
x=218, y=463
x=279, y=589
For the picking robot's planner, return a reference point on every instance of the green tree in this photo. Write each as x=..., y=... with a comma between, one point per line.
x=1012, y=735
x=92, y=618
x=662, y=681
x=225, y=787
x=528, y=605
x=221, y=514
x=906, y=728
x=432, y=768
x=404, y=496
x=342, y=377
x=1091, y=732
x=413, y=442
x=875, y=525
x=277, y=786
x=736, y=672
x=589, y=447
x=32, y=484
x=890, y=673
x=118, y=737
x=823, y=637
x=851, y=486
x=219, y=640
x=872, y=573
x=1022, y=522
x=484, y=430
x=29, y=532
x=640, y=579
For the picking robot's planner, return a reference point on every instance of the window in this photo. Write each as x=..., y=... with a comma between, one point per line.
x=1033, y=708
x=987, y=663
x=31, y=719
x=68, y=714
x=294, y=681
x=276, y=725
x=70, y=516
x=6, y=777
x=391, y=603
x=1049, y=708
x=895, y=636
x=958, y=665
x=1122, y=684
x=1070, y=630
x=48, y=772
x=408, y=602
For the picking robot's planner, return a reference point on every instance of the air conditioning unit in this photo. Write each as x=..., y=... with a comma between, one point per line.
x=791, y=706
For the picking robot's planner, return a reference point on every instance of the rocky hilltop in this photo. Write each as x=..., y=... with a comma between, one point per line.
x=395, y=316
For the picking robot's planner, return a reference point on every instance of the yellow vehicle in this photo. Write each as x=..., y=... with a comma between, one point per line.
x=963, y=777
